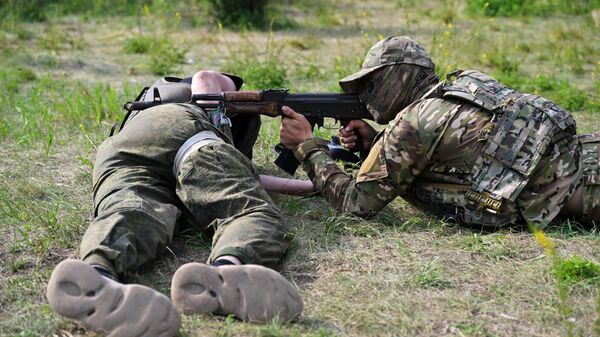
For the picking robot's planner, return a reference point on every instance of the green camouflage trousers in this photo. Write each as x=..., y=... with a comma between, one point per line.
x=138, y=202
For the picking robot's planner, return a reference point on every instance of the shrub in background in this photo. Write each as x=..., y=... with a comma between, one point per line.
x=164, y=53
x=141, y=44
x=530, y=7
x=164, y=56
x=41, y=10
x=258, y=74
x=241, y=13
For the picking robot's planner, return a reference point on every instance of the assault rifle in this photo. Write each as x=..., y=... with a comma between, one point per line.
x=315, y=107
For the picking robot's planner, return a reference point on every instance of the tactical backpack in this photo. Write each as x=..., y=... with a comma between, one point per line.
x=244, y=128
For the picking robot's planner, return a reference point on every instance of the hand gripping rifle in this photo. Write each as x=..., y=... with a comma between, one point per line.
x=315, y=107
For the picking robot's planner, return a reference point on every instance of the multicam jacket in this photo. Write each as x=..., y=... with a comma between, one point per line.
x=444, y=148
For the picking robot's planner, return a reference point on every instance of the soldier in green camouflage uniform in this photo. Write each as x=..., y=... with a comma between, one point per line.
x=485, y=154
x=176, y=164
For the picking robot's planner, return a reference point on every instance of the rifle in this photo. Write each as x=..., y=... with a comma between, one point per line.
x=315, y=107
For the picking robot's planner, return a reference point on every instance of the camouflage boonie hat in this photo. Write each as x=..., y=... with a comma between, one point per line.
x=389, y=51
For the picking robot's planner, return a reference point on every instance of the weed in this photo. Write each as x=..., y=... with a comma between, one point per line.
x=4, y=128
x=406, y=3
x=141, y=44
x=473, y=329
x=42, y=11
x=447, y=11
x=164, y=56
x=305, y=42
x=292, y=205
x=576, y=270
x=244, y=14
x=346, y=65
x=17, y=264
x=533, y=7
x=560, y=91
x=475, y=243
x=259, y=72
x=350, y=225
x=430, y=276
x=562, y=287
x=502, y=63
x=195, y=239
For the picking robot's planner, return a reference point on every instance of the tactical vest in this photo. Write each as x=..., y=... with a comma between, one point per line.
x=521, y=129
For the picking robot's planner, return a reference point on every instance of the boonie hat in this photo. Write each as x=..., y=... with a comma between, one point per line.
x=389, y=51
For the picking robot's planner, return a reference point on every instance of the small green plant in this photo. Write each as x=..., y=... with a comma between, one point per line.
x=475, y=243
x=502, y=63
x=165, y=55
x=559, y=91
x=473, y=329
x=430, y=276
x=562, y=287
x=140, y=44
x=241, y=13
x=57, y=39
x=576, y=270
x=531, y=7
x=257, y=73
x=17, y=264
x=351, y=225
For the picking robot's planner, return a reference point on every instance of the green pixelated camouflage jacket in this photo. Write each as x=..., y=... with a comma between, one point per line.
x=443, y=148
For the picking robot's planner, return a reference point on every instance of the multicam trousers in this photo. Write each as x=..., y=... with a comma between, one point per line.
x=590, y=154
x=138, y=202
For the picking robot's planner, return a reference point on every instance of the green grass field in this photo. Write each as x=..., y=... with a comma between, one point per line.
x=65, y=71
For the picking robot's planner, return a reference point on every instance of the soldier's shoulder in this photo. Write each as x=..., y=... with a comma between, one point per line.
x=427, y=110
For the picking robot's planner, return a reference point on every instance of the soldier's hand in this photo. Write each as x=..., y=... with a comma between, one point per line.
x=294, y=128
x=365, y=131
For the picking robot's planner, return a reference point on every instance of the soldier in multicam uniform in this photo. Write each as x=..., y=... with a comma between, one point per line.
x=175, y=165
x=487, y=155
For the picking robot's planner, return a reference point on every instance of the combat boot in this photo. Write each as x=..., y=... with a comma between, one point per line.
x=76, y=290
x=249, y=292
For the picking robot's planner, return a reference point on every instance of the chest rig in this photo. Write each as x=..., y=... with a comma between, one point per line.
x=521, y=129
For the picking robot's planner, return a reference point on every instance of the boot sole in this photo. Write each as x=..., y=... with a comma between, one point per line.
x=250, y=292
x=77, y=291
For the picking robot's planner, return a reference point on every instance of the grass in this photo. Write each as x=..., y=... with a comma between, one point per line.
x=403, y=272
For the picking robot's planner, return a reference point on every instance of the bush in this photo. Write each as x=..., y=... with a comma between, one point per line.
x=241, y=13
x=258, y=74
x=40, y=10
x=139, y=44
x=575, y=270
x=530, y=7
x=164, y=56
x=559, y=91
